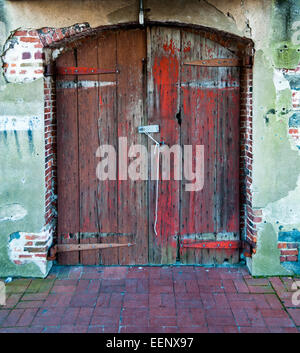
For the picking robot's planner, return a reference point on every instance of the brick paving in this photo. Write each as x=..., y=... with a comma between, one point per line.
x=150, y=299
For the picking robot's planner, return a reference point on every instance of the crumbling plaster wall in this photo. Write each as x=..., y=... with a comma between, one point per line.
x=268, y=23
x=22, y=162
x=276, y=169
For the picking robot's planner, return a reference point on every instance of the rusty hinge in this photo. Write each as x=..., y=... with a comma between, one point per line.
x=51, y=70
x=72, y=70
x=207, y=244
x=82, y=247
x=215, y=62
x=248, y=248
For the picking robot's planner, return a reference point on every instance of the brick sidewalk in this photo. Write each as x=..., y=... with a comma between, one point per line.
x=150, y=299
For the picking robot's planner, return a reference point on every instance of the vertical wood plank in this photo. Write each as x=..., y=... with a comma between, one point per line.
x=199, y=118
x=108, y=135
x=132, y=194
x=163, y=105
x=88, y=112
x=67, y=160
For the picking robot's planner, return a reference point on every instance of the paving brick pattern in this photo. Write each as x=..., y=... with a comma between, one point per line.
x=151, y=299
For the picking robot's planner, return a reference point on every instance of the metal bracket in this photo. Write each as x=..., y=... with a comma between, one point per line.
x=224, y=244
x=82, y=247
x=72, y=70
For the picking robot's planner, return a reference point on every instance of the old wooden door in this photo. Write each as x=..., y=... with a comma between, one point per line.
x=95, y=110
x=193, y=105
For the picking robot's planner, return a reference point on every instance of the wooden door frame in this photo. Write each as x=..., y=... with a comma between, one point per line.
x=242, y=47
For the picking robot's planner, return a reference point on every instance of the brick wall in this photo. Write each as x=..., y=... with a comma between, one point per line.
x=50, y=152
x=250, y=216
x=26, y=248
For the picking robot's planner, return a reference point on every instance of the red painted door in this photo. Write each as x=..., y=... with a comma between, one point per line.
x=210, y=117
x=193, y=105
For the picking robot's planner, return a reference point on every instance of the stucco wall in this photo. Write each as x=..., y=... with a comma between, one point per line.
x=276, y=183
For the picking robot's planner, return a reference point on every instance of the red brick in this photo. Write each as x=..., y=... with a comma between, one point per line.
x=13, y=317
x=292, y=258
x=29, y=39
x=241, y=286
x=20, y=33
x=38, y=55
x=27, y=317
x=295, y=314
x=135, y=317
x=26, y=55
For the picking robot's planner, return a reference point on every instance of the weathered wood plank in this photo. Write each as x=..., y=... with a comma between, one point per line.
x=132, y=194
x=108, y=135
x=88, y=111
x=67, y=160
x=163, y=106
x=199, y=101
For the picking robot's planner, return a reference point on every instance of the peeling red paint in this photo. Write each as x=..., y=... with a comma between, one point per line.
x=187, y=48
x=165, y=72
x=170, y=47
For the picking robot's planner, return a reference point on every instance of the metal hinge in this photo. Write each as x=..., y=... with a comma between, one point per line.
x=72, y=70
x=58, y=248
x=50, y=70
x=224, y=244
x=248, y=249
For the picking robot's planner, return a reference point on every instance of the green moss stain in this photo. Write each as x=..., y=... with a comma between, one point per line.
x=286, y=55
x=284, y=41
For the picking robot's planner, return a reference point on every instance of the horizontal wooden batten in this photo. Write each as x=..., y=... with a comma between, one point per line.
x=215, y=62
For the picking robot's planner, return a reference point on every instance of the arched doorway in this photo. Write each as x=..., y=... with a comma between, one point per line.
x=160, y=75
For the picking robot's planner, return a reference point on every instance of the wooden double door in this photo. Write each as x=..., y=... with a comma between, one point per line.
x=152, y=82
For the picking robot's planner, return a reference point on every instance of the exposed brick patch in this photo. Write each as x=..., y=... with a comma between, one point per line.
x=24, y=48
x=20, y=252
x=19, y=54
x=288, y=251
